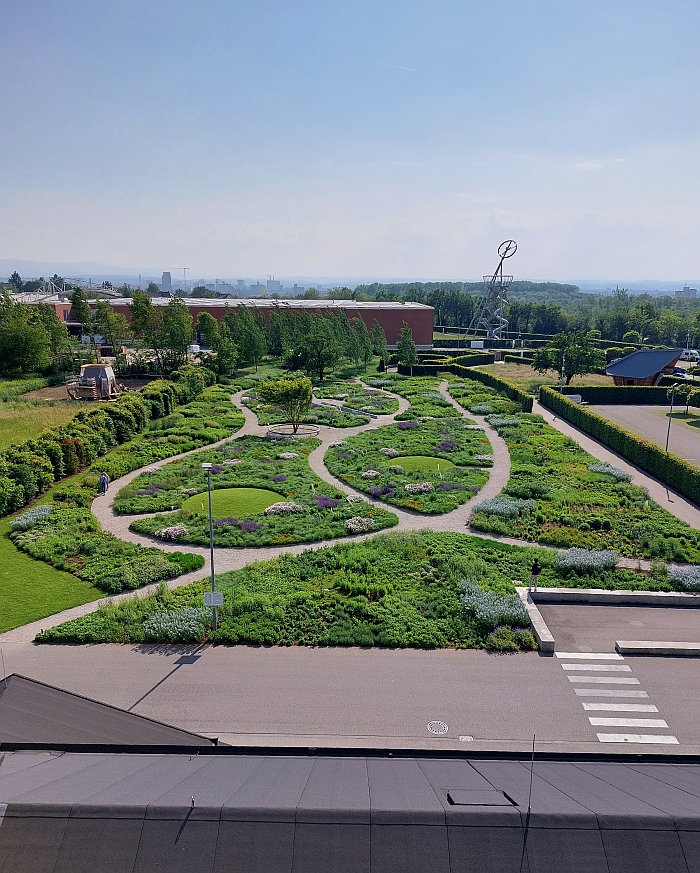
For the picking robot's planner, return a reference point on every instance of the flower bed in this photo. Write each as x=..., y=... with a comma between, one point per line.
x=319, y=414
x=69, y=538
x=321, y=511
x=371, y=462
x=426, y=400
x=578, y=501
x=398, y=590
x=480, y=399
x=356, y=396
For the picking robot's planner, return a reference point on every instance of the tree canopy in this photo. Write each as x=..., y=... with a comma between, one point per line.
x=575, y=352
x=293, y=396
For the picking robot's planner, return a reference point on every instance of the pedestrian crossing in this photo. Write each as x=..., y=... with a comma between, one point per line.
x=616, y=711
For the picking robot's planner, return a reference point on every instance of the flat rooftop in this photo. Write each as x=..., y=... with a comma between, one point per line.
x=265, y=303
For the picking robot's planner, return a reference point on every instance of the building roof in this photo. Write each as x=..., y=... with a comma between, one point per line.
x=643, y=363
x=32, y=712
x=264, y=813
x=264, y=303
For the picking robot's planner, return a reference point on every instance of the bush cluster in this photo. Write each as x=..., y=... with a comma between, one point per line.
x=491, y=609
x=587, y=560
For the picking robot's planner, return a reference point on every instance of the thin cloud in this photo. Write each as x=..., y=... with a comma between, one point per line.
x=395, y=67
x=589, y=165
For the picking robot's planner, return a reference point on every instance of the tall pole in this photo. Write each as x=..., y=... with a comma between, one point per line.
x=561, y=381
x=670, y=415
x=207, y=467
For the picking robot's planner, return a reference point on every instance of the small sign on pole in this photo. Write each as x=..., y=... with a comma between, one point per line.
x=213, y=598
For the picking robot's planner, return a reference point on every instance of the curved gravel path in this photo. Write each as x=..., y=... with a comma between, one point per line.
x=226, y=559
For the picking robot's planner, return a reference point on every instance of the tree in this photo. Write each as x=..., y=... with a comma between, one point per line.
x=362, y=340
x=683, y=393
x=24, y=341
x=16, y=281
x=112, y=325
x=251, y=337
x=632, y=336
x=55, y=328
x=177, y=326
x=293, y=396
x=82, y=312
x=406, y=348
x=201, y=291
x=147, y=320
x=218, y=339
x=208, y=327
x=379, y=340
x=153, y=288
x=319, y=350
x=575, y=350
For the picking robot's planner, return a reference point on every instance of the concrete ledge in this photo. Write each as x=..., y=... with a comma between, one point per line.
x=543, y=636
x=599, y=596
x=653, y=647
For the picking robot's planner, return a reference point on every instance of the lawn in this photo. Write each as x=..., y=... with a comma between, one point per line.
x=529, y=380
x=231, y=501
x=22, y=420
x=423, y=463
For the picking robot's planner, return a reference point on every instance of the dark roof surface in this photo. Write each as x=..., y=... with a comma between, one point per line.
x=32, y=712
x=643, y=363
x=281, y=814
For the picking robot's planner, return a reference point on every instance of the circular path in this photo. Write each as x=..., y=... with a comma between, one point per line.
x=226, y=559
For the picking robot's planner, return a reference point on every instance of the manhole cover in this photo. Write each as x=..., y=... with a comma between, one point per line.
x=437, y=727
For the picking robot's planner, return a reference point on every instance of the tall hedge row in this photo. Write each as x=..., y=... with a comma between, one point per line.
x=639, y=395
x=29, y=469
x=668, y=468
x=479, y=359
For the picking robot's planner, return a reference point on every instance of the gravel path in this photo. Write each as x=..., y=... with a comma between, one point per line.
x=233, y=559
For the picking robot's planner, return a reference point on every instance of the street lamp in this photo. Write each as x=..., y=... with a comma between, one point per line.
x=670, y=414
x=212, y=597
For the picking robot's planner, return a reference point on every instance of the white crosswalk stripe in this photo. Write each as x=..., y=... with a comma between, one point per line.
x=637, y=738
x=590, y=656
x=619, y=707
x=607, y=692
x=628, y=722
x=598, y=668
x=605, y=680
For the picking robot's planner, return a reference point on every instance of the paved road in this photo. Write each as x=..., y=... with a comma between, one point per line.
x=651, y=423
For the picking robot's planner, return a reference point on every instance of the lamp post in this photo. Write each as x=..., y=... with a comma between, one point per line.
x=670, y=414
x=561, y=381
x=208, y=467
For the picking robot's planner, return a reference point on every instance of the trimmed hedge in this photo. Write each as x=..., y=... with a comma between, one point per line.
x=669, y=469
x=638, y=395
x=516, y=359
x=479, y=359
x=29, y=469
x=508, y=388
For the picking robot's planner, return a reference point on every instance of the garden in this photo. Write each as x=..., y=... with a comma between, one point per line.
x=263, y=493
x=480, y=399
x=429, y=466
x=68, y=537
x=421, y=590
x=355, y=395
x=208, y=419
x=560, y=495
x=425, y=398
x=320, y=413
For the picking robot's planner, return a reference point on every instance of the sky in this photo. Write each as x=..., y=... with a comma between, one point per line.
x=243, y=138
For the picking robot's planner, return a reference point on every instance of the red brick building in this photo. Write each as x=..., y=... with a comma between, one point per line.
x=390, y=315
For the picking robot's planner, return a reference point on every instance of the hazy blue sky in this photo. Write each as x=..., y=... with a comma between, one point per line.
x=368, y=137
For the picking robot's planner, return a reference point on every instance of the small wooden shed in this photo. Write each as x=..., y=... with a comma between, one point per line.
x=95, y=382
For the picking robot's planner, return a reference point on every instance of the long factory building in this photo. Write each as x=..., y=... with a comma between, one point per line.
x=390, y=316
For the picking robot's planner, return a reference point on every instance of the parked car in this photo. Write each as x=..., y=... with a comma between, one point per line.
x=689, y=355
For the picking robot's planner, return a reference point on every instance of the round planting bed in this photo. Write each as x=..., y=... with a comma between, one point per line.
x=422, y=463
x=286, y=431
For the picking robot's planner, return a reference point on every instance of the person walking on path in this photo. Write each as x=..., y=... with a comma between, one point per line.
x=104, y=483
x=535, y=572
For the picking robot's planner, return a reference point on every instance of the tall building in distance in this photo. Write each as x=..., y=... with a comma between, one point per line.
x=166, y=284
x=686, y=292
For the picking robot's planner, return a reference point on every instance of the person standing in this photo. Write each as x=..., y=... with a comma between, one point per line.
x=104, y=483
x=534, y=575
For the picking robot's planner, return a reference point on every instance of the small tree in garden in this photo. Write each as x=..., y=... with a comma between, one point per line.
x=406, y=348
x=683, y=394
x=379, y=340
x=292, y=396
x=577, y=352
